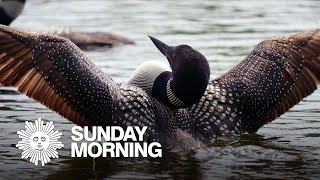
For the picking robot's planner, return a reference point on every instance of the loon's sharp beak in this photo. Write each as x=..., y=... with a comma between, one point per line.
x=163, y=48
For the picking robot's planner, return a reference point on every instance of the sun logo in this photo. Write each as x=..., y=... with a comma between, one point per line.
x=39, y=142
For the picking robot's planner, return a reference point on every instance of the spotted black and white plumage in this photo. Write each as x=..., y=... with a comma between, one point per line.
x=275, y=76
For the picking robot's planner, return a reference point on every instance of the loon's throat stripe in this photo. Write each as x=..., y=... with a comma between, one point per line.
x=173, y=99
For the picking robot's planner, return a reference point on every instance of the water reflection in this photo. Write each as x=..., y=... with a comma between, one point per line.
x=133, y=168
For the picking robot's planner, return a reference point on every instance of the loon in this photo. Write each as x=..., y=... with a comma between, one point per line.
x=11, y=9
x=180, y=88
x=275, y=76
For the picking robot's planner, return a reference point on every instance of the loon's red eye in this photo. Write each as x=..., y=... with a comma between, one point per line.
x=173, y=56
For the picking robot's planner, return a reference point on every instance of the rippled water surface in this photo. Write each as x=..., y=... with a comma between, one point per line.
x=225, y=32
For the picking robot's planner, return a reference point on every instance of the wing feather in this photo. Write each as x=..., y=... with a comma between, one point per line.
x=53, y=71
x=277, y=74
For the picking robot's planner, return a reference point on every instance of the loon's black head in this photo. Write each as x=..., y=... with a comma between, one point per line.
x=10, y=10
x=190, y=71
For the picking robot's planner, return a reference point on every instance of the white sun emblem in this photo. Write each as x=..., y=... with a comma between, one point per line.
x=39, y=142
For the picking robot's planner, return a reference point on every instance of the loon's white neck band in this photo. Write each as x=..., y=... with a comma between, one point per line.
x=174, y=100
x=145, y=76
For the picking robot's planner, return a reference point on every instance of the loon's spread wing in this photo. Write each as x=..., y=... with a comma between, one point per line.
x=53, y=71
x=275, y=76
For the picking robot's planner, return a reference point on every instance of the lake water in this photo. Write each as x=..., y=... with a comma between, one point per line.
x=225, y=32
